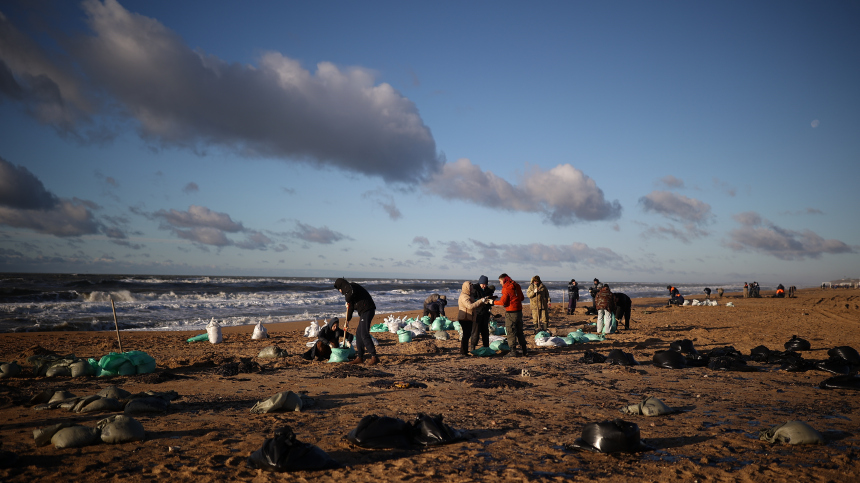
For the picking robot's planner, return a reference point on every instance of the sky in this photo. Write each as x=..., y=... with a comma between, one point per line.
x=625, y=140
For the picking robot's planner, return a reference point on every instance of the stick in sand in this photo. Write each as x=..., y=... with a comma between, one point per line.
x=116, y=325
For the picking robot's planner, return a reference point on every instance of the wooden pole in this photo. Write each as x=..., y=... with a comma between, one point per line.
x=113, y=307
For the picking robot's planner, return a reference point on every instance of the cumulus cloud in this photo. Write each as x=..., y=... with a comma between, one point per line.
x=203, y=226
x=21, y=189
x=421, y=240
x=563, y=194
x=178, y=96
x=760, y=235
x=322, y=235
x=540, y=255
x=691, y=213
x=671, y=182
x=677, y=207
x=26, y=203
x=191, y=188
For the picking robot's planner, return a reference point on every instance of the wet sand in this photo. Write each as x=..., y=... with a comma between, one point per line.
x=520, y=428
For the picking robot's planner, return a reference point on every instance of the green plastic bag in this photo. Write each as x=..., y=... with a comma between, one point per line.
x=198, y=338
x=500, y=345
x=594, y=337
x=404, y=335
x=143, y=362
x=483, y=352
x=425, y=320
x=543, y=335
x=501, y=331
x=379, y=328
x=339, y=354
x=457, y=326
x=437, y=325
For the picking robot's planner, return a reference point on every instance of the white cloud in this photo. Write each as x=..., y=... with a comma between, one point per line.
x=563, y=194
x=760, y=235
x=677, y=207
x=671, y=181
x=313, y=234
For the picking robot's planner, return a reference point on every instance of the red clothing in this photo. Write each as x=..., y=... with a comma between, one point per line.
x=512, y=296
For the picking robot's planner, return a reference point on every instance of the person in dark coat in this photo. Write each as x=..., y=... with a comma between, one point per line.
x=429, y=300
x=707, y=292
x=482, y=321
x=675, y=297
x=328, y=338
x=359, y=300
x=437, y=308
x=572, y=295
x=623, y=306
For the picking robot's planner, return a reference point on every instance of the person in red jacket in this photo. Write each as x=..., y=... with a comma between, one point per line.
x=512, y=300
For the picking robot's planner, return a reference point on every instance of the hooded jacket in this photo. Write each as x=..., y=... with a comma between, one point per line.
x=605, y=300
x=538, y=295
x=466, y=305
x=512, y=296
x=332, y=335
x=357, y=298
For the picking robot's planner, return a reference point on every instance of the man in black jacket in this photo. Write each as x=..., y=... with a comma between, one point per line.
x=623, y=306
x=357, y=299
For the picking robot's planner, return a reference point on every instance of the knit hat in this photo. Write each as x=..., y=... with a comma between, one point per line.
x=483, y=280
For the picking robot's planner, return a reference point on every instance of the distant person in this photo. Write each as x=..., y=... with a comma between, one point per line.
x=720, y=292
x=437, y=308
x=429, y=300
x=512, y=301
x=482, y=320
x=359, y=300
x=792, y=292
x=675, y=297
x=467, y=304
x=746, y=290
x=754, y=290
x=327, y=339
x=605, y=308
x=623, y=307
x=780, y=292
x=572, y=295
x=595, y=287
x=539, y=302
x=707, y=293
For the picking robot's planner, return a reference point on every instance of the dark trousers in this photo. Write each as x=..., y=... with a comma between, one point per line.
x=362, y=334
x=514, y=328
x=466, y=325
x=622, y=310
x=482, y=330
x=571, y=306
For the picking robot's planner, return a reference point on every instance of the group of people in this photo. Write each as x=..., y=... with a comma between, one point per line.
x=752, y=290
x=474, y=306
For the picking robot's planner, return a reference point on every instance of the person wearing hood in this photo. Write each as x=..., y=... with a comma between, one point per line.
x=539, y=302
x=430, y=300
x=605, y=302
x=595, y=287
x=572, y=295
x=359, y=300
x=512, y=301
x=437, y=307
x=466, y=314
x=328, y=338
x=482, y=320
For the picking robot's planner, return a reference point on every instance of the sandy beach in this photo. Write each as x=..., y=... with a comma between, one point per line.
x=518, y=427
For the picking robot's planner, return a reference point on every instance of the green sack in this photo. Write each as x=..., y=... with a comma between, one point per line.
x=143, y=362
x=379, y=328
x=501, y=331
x=456, y=325
x=112, y=361
x=339, y=354
x=198, y=338
x=425, y=320
x=437, y=325
x=543, y=335
x=95, y=368
x=577, y=336
x=483, y=352
x=404, y=335
x=594, y=337
x=500, y=345
x=449, y=325
x=493, y=326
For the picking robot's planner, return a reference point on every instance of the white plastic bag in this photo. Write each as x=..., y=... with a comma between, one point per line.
x=260, y=332
x=313, y=330
x=214, y=331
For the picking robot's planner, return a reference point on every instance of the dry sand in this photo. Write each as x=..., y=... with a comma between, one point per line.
x=520, y=430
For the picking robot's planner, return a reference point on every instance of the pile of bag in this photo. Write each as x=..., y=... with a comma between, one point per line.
x=113, y=430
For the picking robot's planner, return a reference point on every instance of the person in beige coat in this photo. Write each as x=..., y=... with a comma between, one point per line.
x=539, y=300
x=467, y=313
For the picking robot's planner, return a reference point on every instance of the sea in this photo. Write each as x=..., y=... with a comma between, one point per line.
x=45, y=302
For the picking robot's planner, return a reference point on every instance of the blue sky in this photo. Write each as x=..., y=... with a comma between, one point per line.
x=630, y=141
